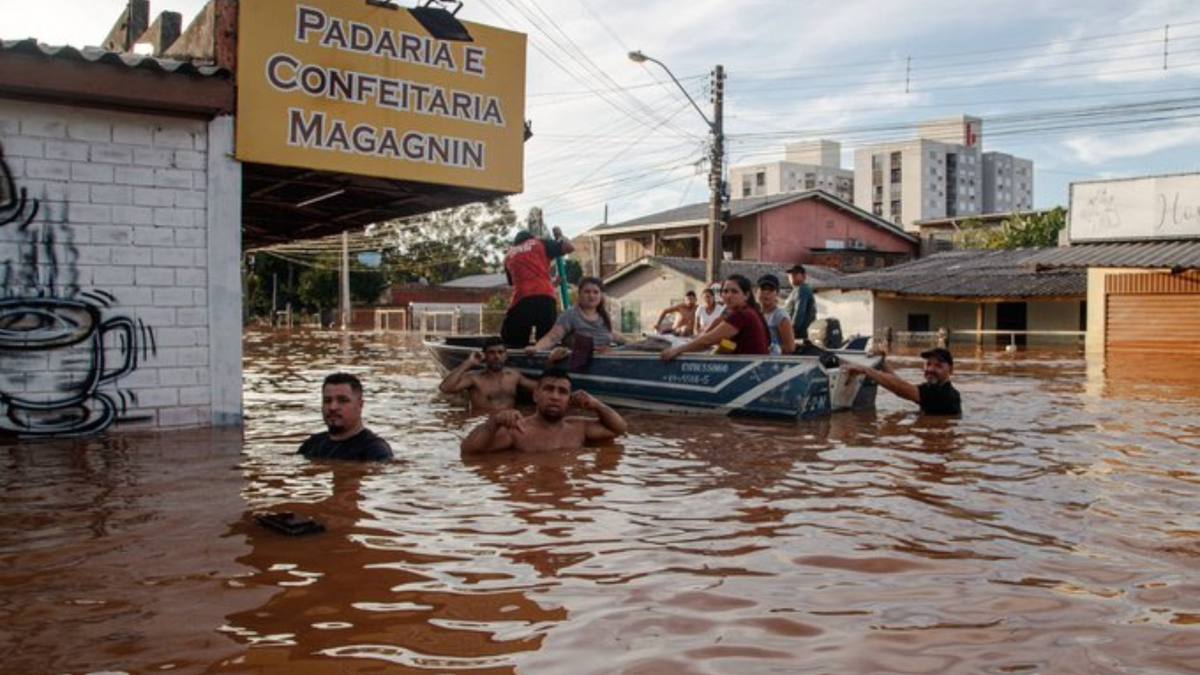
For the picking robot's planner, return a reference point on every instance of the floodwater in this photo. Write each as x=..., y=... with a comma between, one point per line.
x=1053, y=529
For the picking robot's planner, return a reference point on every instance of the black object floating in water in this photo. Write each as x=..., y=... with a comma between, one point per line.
x=289, y=523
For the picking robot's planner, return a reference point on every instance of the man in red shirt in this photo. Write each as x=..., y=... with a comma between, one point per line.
x=527, y=265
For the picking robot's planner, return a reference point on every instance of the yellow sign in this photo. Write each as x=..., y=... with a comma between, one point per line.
x=340, y=85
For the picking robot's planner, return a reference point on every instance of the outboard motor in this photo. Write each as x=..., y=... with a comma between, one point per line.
x=826, y=333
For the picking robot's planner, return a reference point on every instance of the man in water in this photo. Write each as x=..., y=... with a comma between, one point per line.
x=527, y=265
x=495, y=388
x=549, y=427
x=936, y=396
x=685, y=316
x=801, y=306
x=347, y=438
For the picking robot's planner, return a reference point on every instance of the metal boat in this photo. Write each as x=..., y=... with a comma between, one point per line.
x=727, y=384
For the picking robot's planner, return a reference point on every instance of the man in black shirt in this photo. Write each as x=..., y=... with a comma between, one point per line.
x=936, y=395
x=347, y=438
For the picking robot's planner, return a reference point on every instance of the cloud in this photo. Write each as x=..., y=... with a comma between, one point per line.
x=1097, y=149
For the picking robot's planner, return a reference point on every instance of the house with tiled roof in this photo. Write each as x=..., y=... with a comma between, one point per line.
x=807, y=227
x=984, y=296
x=639, y=291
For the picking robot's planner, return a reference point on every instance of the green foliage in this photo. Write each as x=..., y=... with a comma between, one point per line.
x=573, y=269
x=1020, y=230
x=267, y=275
x=318, y=285
x=452, y=243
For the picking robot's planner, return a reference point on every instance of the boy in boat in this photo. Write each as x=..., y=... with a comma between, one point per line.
x=548, y=428
x=495, y=388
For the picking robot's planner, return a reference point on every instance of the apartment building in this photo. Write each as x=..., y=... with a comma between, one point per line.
x=942, y=173
x=808, y=165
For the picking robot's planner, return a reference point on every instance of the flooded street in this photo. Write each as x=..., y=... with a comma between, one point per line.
x=1054, y=529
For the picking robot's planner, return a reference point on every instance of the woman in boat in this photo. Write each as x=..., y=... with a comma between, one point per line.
x=588, y=318
x=779, y=324
x=708, y=312
x=742, y=324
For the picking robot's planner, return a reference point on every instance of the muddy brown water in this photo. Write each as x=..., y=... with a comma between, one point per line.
x=1053, y=529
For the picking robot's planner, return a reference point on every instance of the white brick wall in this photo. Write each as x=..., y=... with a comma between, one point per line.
x=124, y=197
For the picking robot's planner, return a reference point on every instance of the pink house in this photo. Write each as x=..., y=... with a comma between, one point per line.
x=808, y=227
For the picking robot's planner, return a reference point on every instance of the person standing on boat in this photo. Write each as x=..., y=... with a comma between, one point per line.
x=801, y=305
x=709, y=312
x=936, y=396
x=779, y=324
x=346, y=438
x=533, y=305
x=587, y=318
x=548, y=428
x=685, y=316
x=493, y=389
x=742, y=324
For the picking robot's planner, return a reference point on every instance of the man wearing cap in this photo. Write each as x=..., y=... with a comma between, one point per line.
x=801, y=306
x=527, y=265
x=936, y=395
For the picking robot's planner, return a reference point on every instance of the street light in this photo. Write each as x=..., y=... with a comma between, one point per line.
x=712, y=270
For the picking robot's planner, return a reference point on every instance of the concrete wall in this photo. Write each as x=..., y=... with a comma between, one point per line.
x=648, y=291
x=791, y=232
x=1097, y=308
x=855, y=310
x=120, y=258
x=961, y=316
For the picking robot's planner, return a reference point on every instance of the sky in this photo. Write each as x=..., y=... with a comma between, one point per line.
x=1088, y=91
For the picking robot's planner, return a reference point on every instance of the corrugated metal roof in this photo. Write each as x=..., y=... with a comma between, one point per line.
x=816, y=277
x=32, y=47
x=1185, y=254
x=1006, y=273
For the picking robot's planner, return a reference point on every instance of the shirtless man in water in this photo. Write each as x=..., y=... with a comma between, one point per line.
x=493, y=389
x=548, y=428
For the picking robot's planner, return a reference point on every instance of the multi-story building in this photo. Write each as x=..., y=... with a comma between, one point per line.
x=942, y=173
x=1007, y=183
x=808, y=165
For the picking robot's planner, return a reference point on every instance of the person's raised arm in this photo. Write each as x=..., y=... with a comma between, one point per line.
x=888, y=380
x=527, y=383
x=663, y=314
x=564, y=243
x=456, y=380
x=494, y=435
x=701, y=342
x=608, y=425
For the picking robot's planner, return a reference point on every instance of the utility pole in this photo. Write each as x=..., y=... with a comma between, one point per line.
x=344, y=294
x=716, y=183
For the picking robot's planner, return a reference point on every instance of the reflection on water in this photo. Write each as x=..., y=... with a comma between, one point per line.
x=1052, y=530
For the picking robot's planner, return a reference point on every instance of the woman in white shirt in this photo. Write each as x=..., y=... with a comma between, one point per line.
x=709, y=312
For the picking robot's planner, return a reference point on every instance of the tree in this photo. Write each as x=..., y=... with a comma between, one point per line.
x=319, y=284
x=447, y=244
x=1020, y=230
